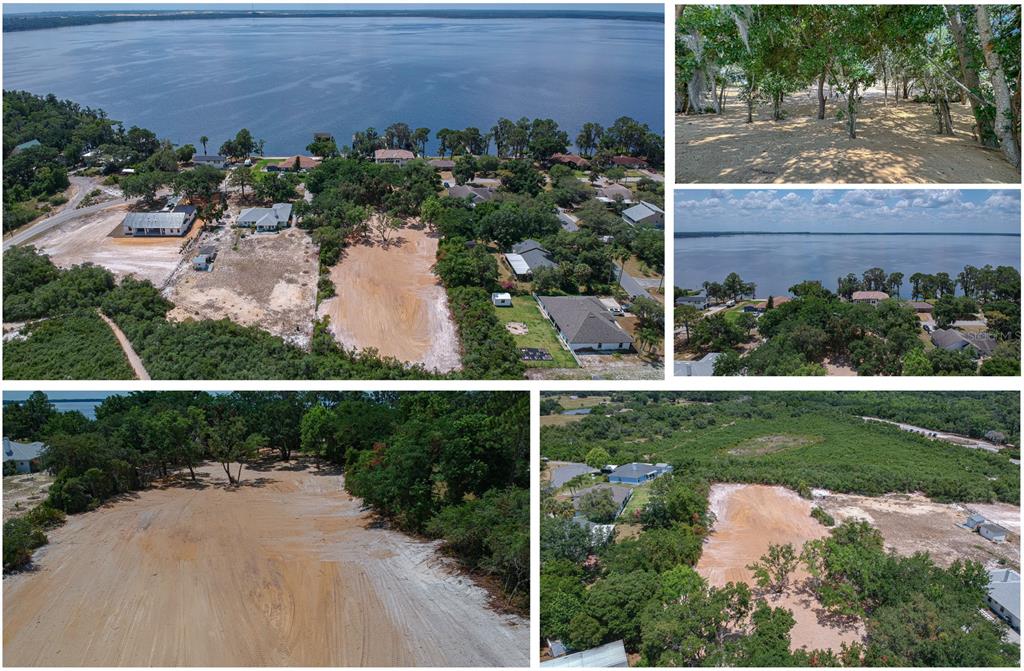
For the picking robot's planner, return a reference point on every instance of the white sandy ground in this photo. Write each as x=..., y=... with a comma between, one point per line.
x=286, y=570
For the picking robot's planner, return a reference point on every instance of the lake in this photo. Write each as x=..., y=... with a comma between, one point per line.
x=776, y=261
x=285, y=78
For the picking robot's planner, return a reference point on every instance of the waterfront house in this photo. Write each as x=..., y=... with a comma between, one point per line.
x=629, y=162
x=583, y=323
x=441, y=164
x=920, y=307
x=638, y=473
x=24, y=456
x=644, y=213
x=155, y=224
x=219, y=162
x=699, y=302
x=1004, y=595
x=265, y=219
x=571, y=160
x=293, y=163
x=869, y=297
x=393, y=156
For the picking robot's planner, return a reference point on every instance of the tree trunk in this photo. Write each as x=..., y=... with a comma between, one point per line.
x=238, y=480
x=227, y=469
x=982, y=127
x=821, y=95
x=192, y=472
x=1004, y=114
x=851, y=111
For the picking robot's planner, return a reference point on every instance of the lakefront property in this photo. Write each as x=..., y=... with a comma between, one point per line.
x=292, y=256
x=848, y=282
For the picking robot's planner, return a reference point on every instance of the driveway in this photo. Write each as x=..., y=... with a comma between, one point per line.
x=69, y=213
x=630, y=284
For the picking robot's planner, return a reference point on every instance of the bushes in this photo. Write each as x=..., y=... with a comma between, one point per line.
x=44, y=516
x=75, y=347
x=822, y=516
x=488, y=350
x=20, y=539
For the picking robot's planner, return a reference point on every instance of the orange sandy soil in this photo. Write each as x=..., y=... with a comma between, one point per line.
x=896, y=144
x=748, y=518
x=285, y=570
x=93, y=238
x=388, y=298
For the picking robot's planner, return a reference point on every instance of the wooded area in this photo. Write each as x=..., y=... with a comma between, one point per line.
x=774, y=57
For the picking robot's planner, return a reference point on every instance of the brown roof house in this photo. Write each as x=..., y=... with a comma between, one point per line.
x=393, y=156
x=297, y=163
x=629, y=162
x=574, y=160
x=584, y=323
x=870, y=297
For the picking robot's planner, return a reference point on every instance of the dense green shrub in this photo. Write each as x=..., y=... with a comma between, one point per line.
x=20, y=539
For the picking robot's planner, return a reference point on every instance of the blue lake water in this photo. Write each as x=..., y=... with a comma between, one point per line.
x=775, y=262
x=286, y=78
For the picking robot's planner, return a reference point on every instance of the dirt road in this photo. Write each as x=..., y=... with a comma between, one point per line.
x=389, y=298
x=126, y=347
x=748, y=518
x=286, y=570
x=895, y=144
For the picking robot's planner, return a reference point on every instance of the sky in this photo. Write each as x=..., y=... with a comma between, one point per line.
x=30, y=7
x=849, y=210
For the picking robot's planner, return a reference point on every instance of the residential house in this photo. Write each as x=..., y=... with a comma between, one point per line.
x=26, y=145
x=699, y=302
x=584, y=324
x=441, y=164
x=476, y=194
x=869, y=297
x=609, y=655
x=705, y=367
x=265, y=219
x=778, y=300
x=24, y=456
x=571, y=160
x=154, y=224
x=620, y=496
x=638, y=473
x=983, y=343
x=644, y=213
x=526, y=257
x=951, y=340
x=629, y=162
x=294, y=163
x=393, y=156
x=1004, y=595
x=219, y=162
x=992, y=532
x=615, y=192
x=920, y=307
x=501, y=299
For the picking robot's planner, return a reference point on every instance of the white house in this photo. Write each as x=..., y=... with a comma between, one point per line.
x=501, y=299
x=154, y=224
x=267, y=218
x=1004, y=595
x=22, y=455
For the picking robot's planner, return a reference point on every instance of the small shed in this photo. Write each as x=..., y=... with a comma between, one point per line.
x=992, y=532
x=501, y=299
x=974, y=521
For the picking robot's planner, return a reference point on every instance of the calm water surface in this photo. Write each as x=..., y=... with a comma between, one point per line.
x=776, y=262
x=286, y=78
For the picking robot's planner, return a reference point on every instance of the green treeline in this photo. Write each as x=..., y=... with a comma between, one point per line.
x=453, y=466
x=822, y=440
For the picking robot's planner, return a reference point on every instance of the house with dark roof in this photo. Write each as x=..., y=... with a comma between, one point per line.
x=983, y=343
x=267, y=218
x=920, y=307
x=638, y=473
x=629, y=162
x=951, y=340
x=526, y=257
x=573, y=160
x=441, y=164
x=219, y=162
x=583, y=323
x=475, y=194
x=393, y=156
x=24, y=456
x=644, y=213
x=156, y=224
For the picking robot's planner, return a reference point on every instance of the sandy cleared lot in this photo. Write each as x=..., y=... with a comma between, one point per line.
x=286, y=570
x=748, y=518
x=259, y=279
x=23, y=492
x=912, y=523
x=895, y=144
x=388, y=298
x=88, y=239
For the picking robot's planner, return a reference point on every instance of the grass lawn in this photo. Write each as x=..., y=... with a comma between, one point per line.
x=541, y=334
x=641, y=495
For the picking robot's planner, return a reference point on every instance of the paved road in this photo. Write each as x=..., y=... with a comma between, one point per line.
x=630, y=285
x=126, y=345
x=69, y=213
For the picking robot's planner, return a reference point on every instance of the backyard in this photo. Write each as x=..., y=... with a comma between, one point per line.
x=540, y=333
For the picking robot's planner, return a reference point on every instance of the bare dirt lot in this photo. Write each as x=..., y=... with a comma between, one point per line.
x=23, y=492
x=748, y=518
x=258, y=279
x=286, y=570
x=389, y=299
x=895, y=144
x=912, y=523
x=89, y=239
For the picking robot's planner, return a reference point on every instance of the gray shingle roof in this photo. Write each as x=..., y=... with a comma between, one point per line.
x=534, y=254
x=948, y=339
x=277, y=215
x=1004, y=589
x=582, y=319
x=634, y=470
